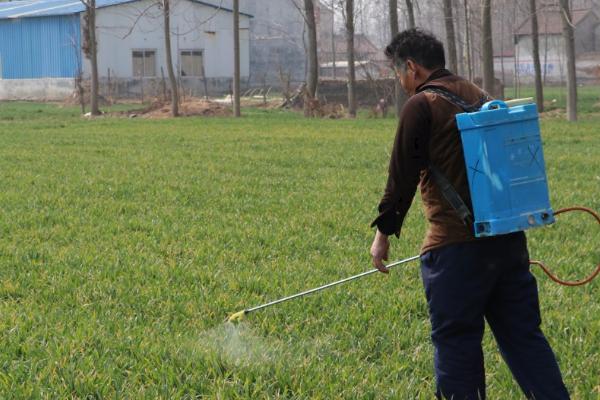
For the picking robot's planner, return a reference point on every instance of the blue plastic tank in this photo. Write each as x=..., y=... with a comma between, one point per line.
x=505, y=168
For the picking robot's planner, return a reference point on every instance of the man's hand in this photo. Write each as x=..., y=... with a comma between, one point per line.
x=380, y=251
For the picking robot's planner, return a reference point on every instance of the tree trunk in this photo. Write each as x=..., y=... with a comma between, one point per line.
x=401, y=96
x=169, y=59
x=468, y=37
x=351, y=66
x=517, y=81
x=487, y=50
x=313, y=63
x=333, y=55
x=450, y=37
x=516, y=77
x=236, y=59
x=569, y=39
x=411, y=14
x=502, y=53
x=394, y=28
x=539, y=87
x=91, y=10
x=545, y=50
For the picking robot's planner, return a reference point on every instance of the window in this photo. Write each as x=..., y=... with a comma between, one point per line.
x=192, y=63
x=144, y=63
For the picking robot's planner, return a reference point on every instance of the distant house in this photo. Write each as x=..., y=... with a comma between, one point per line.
x=364, y=69
x=41, y=55
x=369, y=60
x=517, y=63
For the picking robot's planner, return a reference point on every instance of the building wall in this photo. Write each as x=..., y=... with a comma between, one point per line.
x=44, y=89
x=552, y=55
x=41, y=47
x=194, y=27
x=552, y=58
x=276, y=43
x=325, y=19
x=368, y=92
x=585, y=37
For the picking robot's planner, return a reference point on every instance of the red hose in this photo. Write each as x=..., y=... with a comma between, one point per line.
x=554, y=277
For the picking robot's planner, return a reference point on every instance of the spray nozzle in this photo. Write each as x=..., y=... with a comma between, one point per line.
x=238, y=316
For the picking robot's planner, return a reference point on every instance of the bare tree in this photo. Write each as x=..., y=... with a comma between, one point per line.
x=487, y=50
x=468, y=40
x=545, y=50
x=569, y=39
x=169, y=58
x=90, y=49
x=502, y=30
x=394, y=29
x=539, y=87
x=236, y=59
x=332, y=33
x=350, y=49
x=411, y=14
x=312, y=78
x=450, y=36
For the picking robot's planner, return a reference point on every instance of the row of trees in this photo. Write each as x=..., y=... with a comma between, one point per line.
x=451, y=13
x=347, y=9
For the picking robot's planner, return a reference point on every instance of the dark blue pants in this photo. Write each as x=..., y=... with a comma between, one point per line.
x=488, y=278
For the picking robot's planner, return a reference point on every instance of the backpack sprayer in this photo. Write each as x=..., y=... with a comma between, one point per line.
x=505, y=168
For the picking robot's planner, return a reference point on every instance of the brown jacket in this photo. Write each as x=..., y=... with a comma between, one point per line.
x=427, y=134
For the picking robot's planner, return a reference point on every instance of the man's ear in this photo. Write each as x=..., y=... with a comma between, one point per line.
x=411, y=65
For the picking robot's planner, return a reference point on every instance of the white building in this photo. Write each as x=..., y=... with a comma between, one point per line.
x=201, y=40
x=517, y=64
x=40, y=46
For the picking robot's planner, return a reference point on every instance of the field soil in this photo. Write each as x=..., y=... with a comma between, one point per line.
x=189, y=107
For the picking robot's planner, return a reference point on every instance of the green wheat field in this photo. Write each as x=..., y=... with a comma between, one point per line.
x=125, y=243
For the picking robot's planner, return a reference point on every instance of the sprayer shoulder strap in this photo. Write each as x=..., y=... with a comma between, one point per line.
x=452, y=196
x=457, y=100
x=448, y=191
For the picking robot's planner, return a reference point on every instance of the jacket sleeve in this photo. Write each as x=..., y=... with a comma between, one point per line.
x=410, y=155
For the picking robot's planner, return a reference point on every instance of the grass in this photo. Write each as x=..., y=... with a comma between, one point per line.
x=556, y=97
x=125, y=243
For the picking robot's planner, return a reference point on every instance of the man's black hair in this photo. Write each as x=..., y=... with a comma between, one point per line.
x=420, y=46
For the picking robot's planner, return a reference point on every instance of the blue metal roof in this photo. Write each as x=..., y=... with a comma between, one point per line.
x=45, y=8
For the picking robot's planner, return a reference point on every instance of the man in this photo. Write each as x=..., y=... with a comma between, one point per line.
x=465, y=279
